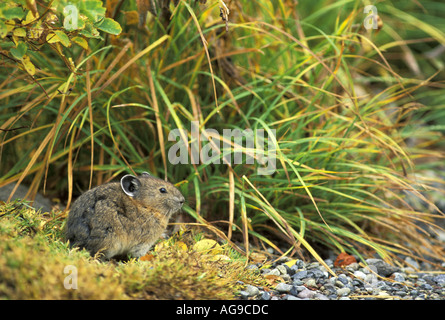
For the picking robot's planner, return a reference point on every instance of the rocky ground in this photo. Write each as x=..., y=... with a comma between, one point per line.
x=297, y=280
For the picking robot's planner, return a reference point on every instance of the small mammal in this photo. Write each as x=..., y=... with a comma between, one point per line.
x=121, y=219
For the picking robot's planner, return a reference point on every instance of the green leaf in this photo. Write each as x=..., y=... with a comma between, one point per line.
x=64, y=39
x=3, y=29
x=93, y=9
x=19, y=51
x=13, y=13
x=110, y=26
x=90, y=31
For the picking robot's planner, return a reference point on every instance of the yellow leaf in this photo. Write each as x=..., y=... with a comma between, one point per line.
x=290, y=263
x=181, y=246
x=58, y=36
x=19, y=32
x=207, y=246
x=10, y=25
x=30, y=17
x=27, y=64
x=81, y=42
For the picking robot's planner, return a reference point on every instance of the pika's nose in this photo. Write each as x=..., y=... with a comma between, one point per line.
x=181, y=200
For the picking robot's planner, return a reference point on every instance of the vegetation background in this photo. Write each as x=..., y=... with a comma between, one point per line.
x=359, y=113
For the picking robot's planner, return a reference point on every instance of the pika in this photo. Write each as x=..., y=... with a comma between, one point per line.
x=122, y=219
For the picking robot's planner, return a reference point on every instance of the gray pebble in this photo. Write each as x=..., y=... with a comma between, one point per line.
x=313, y=265
x=360, y=275
x=265, y=296
x=300, y=275
x=282, y=269
x=343, y=278
x=440, y=280
x=291, y=297
x=252, y=290
x=426, y=286
x=306, y=294
x=283, y=287
x=398, y=277
x=311, y=282
x=352, y=267
x=320, y=296
x=273, y=272
x=384, y=269
x=342, y=292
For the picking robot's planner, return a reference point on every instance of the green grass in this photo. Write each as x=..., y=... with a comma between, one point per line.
x=36, y=263
x=357, y=114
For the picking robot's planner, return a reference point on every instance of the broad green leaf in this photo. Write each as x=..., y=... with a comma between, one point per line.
x=19, y=51
x=93, y=9
x=90, y=31
x=13, y=13
x=110, y=26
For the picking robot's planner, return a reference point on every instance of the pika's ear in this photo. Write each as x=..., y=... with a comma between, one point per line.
x=146, y=174
x=130, y=185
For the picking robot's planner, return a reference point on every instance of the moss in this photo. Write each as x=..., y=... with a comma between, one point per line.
x=35, y=263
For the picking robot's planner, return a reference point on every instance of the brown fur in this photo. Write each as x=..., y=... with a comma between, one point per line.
x=108, y=221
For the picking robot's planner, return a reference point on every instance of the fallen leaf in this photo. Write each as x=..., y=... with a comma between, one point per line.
x=290, y=263
x=147, y=257
x=273, y=279
x=344, y=259
x=207, y=246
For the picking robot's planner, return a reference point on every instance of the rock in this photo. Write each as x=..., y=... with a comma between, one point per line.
x=273, y=272
x=440, y=280
x=265, y=296
x=352, y=267
x=360, y=275
x=311, y=283
x=320, y=296
x=313, y=265
x=384, y=269
x=343, y=279
x=398, y=277
x=283, y=287
x=282, y=269
x=306, y=294
x=342, y=292
x=291, y=297
x=412, y=262
x=426, y=286
x=300, y=275
x=252, y=290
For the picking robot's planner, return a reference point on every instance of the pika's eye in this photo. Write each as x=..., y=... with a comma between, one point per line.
x=163, y=190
